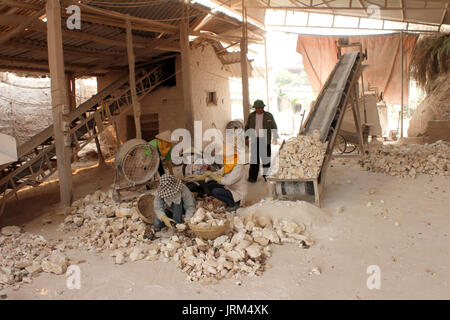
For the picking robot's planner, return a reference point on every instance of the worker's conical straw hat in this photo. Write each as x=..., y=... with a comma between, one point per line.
x=165, y=136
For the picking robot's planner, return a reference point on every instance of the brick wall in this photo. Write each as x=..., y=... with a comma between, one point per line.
x=208, y=75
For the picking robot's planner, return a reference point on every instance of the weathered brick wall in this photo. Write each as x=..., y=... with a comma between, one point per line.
x=207, y=73
x=25, y=106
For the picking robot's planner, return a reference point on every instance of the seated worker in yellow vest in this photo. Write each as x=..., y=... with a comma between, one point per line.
x=173, y=199
x=163, y=143
x=230, y=184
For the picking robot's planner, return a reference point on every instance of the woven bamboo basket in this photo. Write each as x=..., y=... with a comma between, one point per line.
x=145, y=208
x=209, y=233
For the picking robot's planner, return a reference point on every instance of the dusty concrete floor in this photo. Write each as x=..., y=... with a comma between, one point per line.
x=409, y=243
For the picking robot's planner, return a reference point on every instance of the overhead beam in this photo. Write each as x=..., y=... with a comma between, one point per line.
x=25, y=70
x=217, y=16
x=21, y=27
x=137, y=23
x=67, y=50
x=106, y=17
x=41, y=64
x=255, y=37
x=203, y=22
x=154, y=44
x=59, y=101
x=224, y=38
x=138, y=42
x=39, y=26
x=224, y=50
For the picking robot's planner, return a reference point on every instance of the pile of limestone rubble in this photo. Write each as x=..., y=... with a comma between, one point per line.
x=24, y=255
x=409, y=160
x=301, y=157
x=210, y=204
x=104, y=225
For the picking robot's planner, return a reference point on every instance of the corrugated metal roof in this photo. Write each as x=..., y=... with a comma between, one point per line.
x=78, y=50
x=409, y=11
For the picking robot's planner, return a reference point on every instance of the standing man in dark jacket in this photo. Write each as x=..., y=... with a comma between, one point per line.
x=263, y=123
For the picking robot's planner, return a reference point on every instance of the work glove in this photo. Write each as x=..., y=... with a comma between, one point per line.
x=216, y=177
x=168, y=222
x=198, y=177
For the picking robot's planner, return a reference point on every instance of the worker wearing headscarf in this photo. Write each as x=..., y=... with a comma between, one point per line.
x=230, y=185
x=163, y=143
x=173, y=199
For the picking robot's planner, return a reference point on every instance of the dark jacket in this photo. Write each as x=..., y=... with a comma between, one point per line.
x=268, y=123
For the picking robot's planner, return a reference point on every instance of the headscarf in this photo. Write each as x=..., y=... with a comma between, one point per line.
x=164, y=147
x=230, y=159
x=169, y=186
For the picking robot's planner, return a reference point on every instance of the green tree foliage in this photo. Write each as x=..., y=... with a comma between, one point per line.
x=286, y=78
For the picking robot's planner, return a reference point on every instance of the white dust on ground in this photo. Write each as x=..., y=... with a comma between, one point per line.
x=313, y=218
x=404, y=231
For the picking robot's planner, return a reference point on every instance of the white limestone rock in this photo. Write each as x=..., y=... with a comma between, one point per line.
x=120, y=258
x=198, y=216
x=254, y=251
x=56, y=263
x=136, y=254
x=9, y=230
x=301, y=157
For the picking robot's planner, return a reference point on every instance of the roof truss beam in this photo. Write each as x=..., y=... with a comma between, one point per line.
x=39, y=26
x=21, y=27
x=112, y=18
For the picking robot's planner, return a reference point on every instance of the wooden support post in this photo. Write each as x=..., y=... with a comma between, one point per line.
x=59, y=101
x=70, y=85
x=116, y=129
x=186, y=69
x=101, y=159
x=357, y=117
x=267, y=73
x=134, y=99
x=244, y=68
x=401, y=106
x=71, y=91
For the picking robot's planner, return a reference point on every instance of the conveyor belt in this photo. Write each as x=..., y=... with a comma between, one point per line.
x=325, y=116
x=329, y=105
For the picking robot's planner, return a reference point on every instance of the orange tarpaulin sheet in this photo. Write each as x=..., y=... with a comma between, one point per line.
x=383, y=57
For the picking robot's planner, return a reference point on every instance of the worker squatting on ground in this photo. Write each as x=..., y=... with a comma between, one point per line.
x=163, y=143
x=173, y=199
x=257, y=120
x=228, y=185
